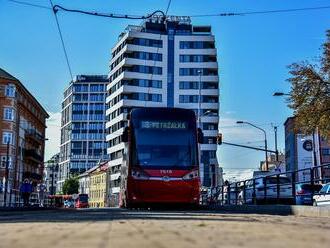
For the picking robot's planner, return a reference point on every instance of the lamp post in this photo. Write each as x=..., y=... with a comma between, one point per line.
x=313, y=135
x=199, y=98
x=266, y=154
x=6, y=175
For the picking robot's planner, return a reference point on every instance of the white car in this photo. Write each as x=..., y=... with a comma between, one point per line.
x=285, y=193
x=322, y=198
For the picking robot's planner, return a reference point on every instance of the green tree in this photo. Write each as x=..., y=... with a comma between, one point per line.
x=71, y=186
x=310, y=93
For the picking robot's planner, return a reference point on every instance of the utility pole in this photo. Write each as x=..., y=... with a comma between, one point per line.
x=53, y=171
x=265, y=134
x=275, y=131
x=6, y=175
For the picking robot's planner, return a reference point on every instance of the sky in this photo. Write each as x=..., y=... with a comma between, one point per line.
x=253, y=54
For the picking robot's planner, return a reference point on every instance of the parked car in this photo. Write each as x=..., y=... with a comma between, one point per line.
x=305, y=192
x=34, y=201
x=322, y=198
x=229, y=198
x=69, y=203
x=285, y=193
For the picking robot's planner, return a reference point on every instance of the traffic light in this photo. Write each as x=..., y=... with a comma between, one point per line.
x=219, y=138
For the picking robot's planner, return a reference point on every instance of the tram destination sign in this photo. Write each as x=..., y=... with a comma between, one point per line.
x=164, y=124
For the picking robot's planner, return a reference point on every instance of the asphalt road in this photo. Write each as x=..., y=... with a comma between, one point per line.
x=121, y=228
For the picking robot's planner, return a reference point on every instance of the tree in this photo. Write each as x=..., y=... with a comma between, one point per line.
x=71, y=186
x=310, y=93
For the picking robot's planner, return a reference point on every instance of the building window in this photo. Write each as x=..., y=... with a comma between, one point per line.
x=188, y=98
x=326, y=151
x=9, y=114
x=7, y=137
x=195, y=71
x=145, y=69
x=146, y=56
x=196, y=44
x=210, y=99
x=147, y=42
x=10, y=90
x=197, y=58
x=185, y=85
x=4, y=161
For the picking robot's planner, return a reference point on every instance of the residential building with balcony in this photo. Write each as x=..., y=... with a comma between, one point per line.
x=164, y=63
x=22, y=132
x=83, y=142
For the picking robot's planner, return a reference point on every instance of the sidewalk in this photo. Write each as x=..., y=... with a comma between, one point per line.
x=12, y=209
x=307, y=211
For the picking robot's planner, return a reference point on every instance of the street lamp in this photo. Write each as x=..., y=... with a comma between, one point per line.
x=248, y=123
x=199, y=97
x=314, y=152
x=280, y=94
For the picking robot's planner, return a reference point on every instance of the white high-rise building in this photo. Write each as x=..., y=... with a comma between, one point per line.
x=161, y=64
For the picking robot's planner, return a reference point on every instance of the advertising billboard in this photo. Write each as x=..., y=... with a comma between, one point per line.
x=304, y=156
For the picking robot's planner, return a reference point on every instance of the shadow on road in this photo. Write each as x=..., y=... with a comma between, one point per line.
x=109, y=214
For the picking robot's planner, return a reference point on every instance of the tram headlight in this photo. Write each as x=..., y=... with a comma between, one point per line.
x=191, y=175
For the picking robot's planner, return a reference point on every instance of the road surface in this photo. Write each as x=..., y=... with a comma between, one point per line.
x=121, y=228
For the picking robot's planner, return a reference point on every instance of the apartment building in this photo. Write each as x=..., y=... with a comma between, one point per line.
x=51, y=173
x=164, y=62
x=82, y=126
x=22, y=130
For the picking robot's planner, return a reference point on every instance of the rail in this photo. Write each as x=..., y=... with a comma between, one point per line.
x=276, y=188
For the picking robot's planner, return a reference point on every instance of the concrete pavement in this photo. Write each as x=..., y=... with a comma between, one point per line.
x=122, y=228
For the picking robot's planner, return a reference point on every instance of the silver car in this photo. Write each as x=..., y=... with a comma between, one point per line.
x=322, y=198
x=285, y=192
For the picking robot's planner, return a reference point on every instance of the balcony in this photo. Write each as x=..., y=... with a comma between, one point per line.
x=33, y=135
x=32, y=155
x=32, y=175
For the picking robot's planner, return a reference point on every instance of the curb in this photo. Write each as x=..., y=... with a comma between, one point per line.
x=307, y=211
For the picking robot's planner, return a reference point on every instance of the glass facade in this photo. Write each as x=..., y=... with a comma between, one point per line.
x=83, y=125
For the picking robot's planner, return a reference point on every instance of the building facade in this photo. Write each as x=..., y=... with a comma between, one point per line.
x=51, y=174
x=98, y=187
x=82, y=126
x=164, y=63
x=84, y=180
x=305, y=151
x=22, y=130
x=274, y=164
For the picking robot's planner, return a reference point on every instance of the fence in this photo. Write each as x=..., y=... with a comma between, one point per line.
x=274, y=188
x=14, y=199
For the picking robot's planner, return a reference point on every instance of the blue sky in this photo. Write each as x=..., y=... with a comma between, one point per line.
x=253, y=53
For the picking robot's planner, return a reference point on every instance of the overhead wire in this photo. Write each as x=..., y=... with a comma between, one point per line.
x=30, y=4
x=57, y=8
x=62, y=41
x=262, y=12
x=168, y=6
